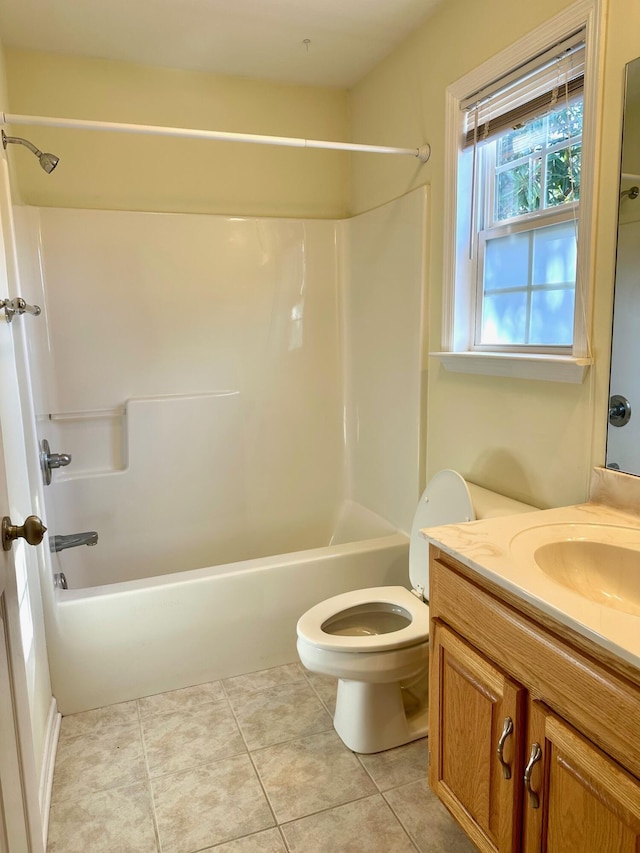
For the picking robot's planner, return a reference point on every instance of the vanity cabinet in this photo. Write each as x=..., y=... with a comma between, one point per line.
x=534, y=741
x=586, y=802
x=478, y=707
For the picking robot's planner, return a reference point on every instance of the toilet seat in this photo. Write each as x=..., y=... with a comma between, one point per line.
x=310, y=624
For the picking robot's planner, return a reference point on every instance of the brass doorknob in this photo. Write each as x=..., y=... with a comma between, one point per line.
x=32, y=530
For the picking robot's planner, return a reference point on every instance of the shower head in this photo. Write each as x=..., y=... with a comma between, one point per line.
x=47, y=161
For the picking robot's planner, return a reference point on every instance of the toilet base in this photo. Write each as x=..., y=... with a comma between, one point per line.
x=372, y=717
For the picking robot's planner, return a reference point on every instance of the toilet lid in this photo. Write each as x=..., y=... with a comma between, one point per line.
x=446, y=500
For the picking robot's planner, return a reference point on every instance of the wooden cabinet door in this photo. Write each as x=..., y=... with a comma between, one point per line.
x=471, y=702
x=586, y=802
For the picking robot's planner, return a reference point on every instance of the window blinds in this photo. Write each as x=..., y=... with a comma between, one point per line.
x=532, y=90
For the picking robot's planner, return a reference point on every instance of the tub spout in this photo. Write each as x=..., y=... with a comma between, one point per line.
x=72, y=540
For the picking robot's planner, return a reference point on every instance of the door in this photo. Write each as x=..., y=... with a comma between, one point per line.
x=18, y=833
x=578, y=800
x=20, y=820
x=475, y=726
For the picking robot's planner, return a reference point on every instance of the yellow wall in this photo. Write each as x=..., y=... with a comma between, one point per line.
x=535, y=441
x=4, y=100
x=100, y=170
x=532, y=440
x=4, y=106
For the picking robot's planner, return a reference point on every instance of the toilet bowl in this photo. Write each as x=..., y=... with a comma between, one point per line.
x=376, y=641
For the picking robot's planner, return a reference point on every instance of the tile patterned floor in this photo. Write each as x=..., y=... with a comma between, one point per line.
x=244, y=765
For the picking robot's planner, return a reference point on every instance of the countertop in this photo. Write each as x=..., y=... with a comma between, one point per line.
x=501, y=550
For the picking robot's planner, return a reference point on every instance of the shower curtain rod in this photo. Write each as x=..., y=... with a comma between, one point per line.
x=422, y=153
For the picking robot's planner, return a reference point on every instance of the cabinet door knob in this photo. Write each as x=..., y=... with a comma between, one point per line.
x=506, y=731
x=535, y=756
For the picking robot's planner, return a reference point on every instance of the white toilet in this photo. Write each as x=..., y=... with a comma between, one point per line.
x=376, y=641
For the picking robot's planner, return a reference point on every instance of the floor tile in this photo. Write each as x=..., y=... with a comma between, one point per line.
x=280, y=714
x=96, y=762
x=310, y=774
x=118, y=821
x=366, y=826
x=208, y=805
x=243, y=685
x=326, y=687
x=399, y=766
x=269, y=841
x=184, y=739
x=204, y=788
x=426, y=820
x=99, y=720
x=181, y=700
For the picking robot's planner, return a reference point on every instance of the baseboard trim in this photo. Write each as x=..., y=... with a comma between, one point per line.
x=48, y=762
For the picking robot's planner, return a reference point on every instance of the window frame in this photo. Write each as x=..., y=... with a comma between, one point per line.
x=489, y=227
x=458, y=319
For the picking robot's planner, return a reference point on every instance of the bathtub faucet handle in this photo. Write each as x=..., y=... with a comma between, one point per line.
x=49, y=460
x=59, y=460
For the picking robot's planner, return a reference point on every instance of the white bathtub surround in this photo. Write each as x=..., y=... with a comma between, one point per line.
x=146, y=532
x=230, y=390
x=385, y=324
x=190, y=357
x=184, y=499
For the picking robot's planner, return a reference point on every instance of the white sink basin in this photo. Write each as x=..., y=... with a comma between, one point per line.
x=600, y=562
x=607, y=574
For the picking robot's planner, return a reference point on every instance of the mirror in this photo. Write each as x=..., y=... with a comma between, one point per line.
x=623, y=432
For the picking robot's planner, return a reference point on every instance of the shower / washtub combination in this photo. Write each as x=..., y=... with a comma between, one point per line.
x=241, y=402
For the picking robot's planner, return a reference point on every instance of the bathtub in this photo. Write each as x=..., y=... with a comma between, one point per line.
x=120, y=641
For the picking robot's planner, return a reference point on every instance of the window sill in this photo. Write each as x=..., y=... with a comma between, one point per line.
x=548, y=368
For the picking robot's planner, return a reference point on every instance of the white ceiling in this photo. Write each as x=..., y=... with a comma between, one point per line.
x=249, y=38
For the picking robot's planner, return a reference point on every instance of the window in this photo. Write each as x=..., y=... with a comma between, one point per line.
x=529, y=191
x=526, y=190
x=521, y=139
